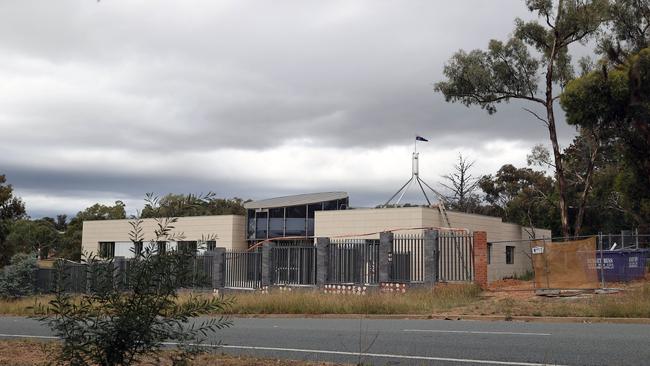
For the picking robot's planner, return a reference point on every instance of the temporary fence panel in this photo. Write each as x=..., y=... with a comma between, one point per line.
x=293, y=265
x=243, y=269
x=565, y=265
x=407, y=258
x=353, y=261
x=456, y=257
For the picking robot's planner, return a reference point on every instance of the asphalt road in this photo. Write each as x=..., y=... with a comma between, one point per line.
x=420, y=342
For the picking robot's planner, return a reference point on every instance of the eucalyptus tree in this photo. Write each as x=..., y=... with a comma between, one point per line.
x=533, y=65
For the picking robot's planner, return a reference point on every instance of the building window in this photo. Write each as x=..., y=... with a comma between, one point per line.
x=211, y=244
x=261, y=218
x=489, y=253
x=137, y=248
x=161, y=247
x=510, y=255
x=187, y=247
x=276, y=222
x=296, y=221
x=106, y=249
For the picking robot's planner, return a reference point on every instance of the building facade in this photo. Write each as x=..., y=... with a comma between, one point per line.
x=301, y=218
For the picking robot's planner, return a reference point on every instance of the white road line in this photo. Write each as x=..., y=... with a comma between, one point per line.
x=328, y=352
x=474, y=332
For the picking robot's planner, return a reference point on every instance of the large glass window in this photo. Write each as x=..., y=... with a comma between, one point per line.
x=276, y=222
x=261, y=226
x=251, y=224
x=296, y=216
x=311, y=211
x=330, y=205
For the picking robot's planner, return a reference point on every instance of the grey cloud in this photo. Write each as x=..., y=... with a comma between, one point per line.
x=168, y=77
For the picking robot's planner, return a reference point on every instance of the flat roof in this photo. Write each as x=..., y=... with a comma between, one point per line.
x=296, y=200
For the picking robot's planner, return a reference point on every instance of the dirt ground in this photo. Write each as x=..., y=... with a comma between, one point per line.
x=25, y=352
x=517, y=297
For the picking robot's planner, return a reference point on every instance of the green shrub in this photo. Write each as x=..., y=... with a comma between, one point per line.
x=120, y=321
x=18, y=279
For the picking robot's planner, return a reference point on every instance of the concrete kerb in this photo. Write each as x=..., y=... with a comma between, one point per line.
x=451, y=317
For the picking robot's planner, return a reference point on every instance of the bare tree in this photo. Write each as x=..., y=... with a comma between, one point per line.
x=462, y=185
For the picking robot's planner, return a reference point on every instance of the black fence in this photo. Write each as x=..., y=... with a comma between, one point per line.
x=407, y=258
x=243, y=269
x=77, y=277
x=293, y=265
x=353, y=261
x=456, y=257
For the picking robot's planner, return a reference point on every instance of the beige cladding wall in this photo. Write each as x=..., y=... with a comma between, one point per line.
x=354, y=223
x=357, y=222
x=229, y=230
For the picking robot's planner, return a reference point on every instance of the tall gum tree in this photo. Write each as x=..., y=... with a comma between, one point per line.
x=509, y=70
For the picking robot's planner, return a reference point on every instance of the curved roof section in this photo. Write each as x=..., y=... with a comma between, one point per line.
x=299, y=199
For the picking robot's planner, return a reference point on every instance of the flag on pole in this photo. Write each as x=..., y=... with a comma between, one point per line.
x=420, y=138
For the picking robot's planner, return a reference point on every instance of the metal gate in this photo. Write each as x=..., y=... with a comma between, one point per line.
x=407, y=258
x=353, y=261
x=293, y=265
x=243, y=270
x=456, y=257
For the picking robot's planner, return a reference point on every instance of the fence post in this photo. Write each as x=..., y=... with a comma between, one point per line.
x=431, y=256
x=218, y=258
x=480, y=258
x=118, y=272
x=385, y=248
x=267, y=268
x=322, y=260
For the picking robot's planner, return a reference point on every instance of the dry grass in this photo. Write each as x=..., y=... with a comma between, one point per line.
x=417, y=301
x=634, y=302
x=25, y=352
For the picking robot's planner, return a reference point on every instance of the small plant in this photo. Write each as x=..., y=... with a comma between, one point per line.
x=19, y=278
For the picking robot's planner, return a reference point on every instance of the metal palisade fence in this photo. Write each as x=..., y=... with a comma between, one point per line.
x=407, y=258
x=243, y=269
x=293, y=265
x=353, y=261
x=456, y=257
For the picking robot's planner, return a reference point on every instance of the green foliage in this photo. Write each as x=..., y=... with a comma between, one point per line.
x=19, y=278
x=616, y=101
x=181, y=205
x=28, y=236
x=119, y=324
x=11, y=209
x=523, y=196
x=504, y=71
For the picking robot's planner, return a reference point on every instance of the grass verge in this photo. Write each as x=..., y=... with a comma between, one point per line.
x=414, y=301
x=26, y=352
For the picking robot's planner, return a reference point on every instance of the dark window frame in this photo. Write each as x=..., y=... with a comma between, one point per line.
x=510, y=254
x=489, y=253
x=106, y=249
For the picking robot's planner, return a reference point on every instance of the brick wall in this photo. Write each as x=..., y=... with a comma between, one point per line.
x=480, y=259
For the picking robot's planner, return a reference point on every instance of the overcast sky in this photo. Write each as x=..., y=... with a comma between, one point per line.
x=105, y=101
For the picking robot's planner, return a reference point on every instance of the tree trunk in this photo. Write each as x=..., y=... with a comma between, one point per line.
x=550, y=116
x=585, y=192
